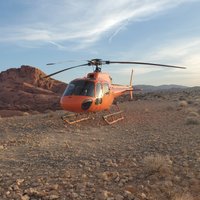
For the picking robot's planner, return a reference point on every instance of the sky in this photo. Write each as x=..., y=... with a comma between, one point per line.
x=72, y=32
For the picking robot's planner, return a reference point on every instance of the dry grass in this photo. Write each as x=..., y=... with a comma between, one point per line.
x=192, y=120
x=197, y=102
x=157, y=163
x=193, y=114
x=183, y=197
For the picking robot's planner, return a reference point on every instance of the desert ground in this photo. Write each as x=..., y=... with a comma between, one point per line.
x=153, y=154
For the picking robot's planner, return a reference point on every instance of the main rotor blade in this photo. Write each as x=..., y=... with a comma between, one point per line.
x=143, y=63
x=65, y=70
x=60, y=62
x=51, y=63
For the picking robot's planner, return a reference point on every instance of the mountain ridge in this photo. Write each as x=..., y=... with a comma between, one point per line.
x=152, y=88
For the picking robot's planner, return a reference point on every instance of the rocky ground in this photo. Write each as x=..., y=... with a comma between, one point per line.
x=154, y=153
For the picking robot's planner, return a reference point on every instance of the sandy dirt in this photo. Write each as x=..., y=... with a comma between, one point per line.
x=154, y=153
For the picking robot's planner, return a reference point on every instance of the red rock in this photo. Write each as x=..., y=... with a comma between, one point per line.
x=25, y=89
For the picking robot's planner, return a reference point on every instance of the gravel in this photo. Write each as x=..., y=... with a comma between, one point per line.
x=154, y=153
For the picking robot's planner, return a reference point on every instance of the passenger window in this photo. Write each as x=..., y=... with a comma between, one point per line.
x=106, y=88
x=99, y=92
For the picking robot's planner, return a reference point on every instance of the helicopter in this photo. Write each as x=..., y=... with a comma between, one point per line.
x=96, y=92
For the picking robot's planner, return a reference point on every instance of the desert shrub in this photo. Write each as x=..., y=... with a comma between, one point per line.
x=25, y=114
x=193, y=114
x=186, y=196
x=190, y=109
x=191, y=120
x=183, y=103
x=157, y=163
x=197, y=102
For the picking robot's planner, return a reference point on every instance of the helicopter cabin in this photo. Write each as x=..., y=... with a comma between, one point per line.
x=94, y=85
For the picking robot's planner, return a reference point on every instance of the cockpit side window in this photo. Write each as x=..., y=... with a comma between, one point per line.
x=80, y=88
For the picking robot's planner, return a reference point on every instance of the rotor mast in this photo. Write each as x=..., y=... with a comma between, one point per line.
x=97, y=63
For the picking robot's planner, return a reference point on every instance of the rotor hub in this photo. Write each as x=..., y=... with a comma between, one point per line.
x=97, y=63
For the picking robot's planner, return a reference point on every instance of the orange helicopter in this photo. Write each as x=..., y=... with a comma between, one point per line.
x=95, y=92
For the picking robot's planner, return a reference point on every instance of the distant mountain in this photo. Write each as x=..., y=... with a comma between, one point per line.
x=25, y=89
x=151, y=88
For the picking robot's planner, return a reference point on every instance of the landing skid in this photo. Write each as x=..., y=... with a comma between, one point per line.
x=72, y=118
x=114, y=117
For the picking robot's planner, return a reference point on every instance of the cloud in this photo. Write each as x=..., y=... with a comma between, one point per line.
x=118, y=30
x=183, y=52
x=82, y=23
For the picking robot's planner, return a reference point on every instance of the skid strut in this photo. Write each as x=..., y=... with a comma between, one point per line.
x=114, y=117
x=72, y=118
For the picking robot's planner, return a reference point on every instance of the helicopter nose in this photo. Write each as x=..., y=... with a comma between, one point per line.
x=86, y=104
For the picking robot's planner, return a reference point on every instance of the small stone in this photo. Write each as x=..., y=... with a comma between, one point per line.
x=74, y=195
x=105, y=176
x=53, y=197
x=84, y=176
x=15, y=187
x=120, y=184
x=19, y=181
x=143, y=195
x=54, y=187
x=132, y=189
x=117, y=179
x=25, y=197
x=119, y=197
x=129, y=195
x=103, y=195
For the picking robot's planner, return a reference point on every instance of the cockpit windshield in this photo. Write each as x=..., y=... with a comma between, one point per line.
x=80, y=88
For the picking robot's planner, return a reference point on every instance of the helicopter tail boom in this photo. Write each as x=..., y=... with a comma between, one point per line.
x=120, y=89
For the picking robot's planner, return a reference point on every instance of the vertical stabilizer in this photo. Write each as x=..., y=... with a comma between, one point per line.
x=131, y=85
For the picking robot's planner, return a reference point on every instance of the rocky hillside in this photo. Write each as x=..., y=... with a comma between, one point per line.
x=24, y=89
x=151, y=88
